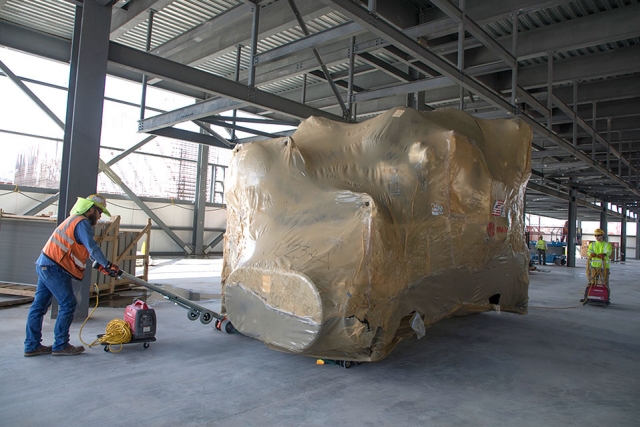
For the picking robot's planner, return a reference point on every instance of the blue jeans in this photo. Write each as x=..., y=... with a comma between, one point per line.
x=53, y=281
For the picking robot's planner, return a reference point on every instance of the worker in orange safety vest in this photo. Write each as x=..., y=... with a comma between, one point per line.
x=63, y=258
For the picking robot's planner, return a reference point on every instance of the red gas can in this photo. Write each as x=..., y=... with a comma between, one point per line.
x=141, y=319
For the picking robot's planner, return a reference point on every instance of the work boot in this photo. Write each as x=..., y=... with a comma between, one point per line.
x=43, y=349
x=69, y=350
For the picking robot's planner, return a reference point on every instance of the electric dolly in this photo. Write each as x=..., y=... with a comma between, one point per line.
x=142, y=319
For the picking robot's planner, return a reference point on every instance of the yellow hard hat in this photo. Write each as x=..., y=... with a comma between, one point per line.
x=100, y=202
x=598, y=232
x=83, y=205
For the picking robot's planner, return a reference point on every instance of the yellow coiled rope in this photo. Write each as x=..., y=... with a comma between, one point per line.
x=118, y=331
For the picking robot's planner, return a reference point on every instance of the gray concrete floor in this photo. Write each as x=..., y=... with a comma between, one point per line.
x=560, y=365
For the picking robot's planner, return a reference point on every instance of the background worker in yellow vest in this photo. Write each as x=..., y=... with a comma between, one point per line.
x=64, y=258
x=541, y=246
x=599, y=252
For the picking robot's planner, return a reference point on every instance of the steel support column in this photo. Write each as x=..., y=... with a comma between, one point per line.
x=603, y=218
x=593, y=136
x=574, y=140
x=255, y=23
x=143, y=97
x=514, y=69
x=571, y=237
x=623, y=233
x=550, y=90
x=235, y=111
x=609, y=141
x=200, y=202
x=416, y=99
x=461, y=48
x=81, y=178
x=352, y=55
x=304, y=88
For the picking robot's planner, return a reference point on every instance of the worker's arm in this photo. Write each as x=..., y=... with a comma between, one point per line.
x=84, y=236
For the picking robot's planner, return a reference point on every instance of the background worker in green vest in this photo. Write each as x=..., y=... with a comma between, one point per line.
x=541, y=246
x=599, y=252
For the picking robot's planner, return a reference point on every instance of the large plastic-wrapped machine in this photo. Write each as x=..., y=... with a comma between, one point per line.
x=343, y=239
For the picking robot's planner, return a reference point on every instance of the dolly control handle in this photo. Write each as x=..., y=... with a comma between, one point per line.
x=111, y=269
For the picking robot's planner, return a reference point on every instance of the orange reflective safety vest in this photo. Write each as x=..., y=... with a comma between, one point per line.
x=64, y=250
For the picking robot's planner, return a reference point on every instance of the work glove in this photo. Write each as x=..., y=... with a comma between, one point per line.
x=111, y=270
x=601, y=256
x=592, y=255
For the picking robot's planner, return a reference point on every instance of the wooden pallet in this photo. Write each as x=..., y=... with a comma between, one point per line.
x=20, y=294
x=15, y=301
x=17, y=289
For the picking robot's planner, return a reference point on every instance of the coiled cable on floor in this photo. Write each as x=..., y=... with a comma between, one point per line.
x=118, y=331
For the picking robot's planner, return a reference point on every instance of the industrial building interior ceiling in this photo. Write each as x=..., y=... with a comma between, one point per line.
x=570, y=69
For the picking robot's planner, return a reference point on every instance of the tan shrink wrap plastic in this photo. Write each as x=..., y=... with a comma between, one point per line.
x=340, y=236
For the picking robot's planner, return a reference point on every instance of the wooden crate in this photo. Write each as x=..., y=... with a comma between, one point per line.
x=119, y=246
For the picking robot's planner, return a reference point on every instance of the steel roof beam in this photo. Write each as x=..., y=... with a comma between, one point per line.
x=274, y=18
x=600, y=65
x=385, y=67
x=190, y=112
x=458, y=16
x=572, y=69
x=629, y=107
x=613, y=25
x=482, y=11
x=241, y=128
x=224, y=119
x=605, y=90
x=559, y=195
x=57, y=49
x=622, y=124
x=584, y=125
x=191, y=38
x=185, y=135
x=169, y=70
x=568, y=27
x=123, y=20
x=311, y=41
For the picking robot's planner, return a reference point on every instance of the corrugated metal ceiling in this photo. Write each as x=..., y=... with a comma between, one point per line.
x=57, y=17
